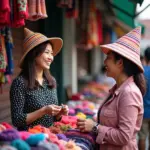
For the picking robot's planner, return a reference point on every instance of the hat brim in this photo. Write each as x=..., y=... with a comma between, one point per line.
x=57, y=44
x=125, y=53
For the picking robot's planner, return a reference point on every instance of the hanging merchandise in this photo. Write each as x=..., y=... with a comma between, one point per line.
x=9, y=48
x=73, y=11
x=6, y=60
x=17, y=21
x=65, y=3
x=36, y=10
x=22, y=8
x=90, y=26
x=99, y=26
x=13, y=13
x=4, y=13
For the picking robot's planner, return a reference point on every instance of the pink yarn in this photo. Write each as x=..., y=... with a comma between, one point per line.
x=24, y=135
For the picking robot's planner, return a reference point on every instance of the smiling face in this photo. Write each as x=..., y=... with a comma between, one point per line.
x=45, y=59
x=113, y=67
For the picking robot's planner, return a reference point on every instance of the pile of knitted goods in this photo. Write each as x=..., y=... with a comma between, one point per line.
x=66, y=123
x=84, y=140
x=37, y=138
x=82, y=109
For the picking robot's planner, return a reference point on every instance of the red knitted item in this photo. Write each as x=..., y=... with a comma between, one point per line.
x=4, y=13
x=22, y=8
x=17, y=21
x=8, y=126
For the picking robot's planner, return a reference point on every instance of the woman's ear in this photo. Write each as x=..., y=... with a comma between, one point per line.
x=120, y=62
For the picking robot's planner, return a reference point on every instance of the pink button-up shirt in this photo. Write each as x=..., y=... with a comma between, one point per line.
x=121, y=118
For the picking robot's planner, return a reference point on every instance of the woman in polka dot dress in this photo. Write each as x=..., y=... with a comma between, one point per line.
x=33, y=94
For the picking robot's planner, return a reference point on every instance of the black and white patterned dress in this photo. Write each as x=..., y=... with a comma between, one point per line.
x=24, y=101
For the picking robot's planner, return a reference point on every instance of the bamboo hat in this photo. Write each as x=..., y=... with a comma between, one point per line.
x=33, y=39
x=127, y=46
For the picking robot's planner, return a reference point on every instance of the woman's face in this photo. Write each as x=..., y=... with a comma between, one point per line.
x=45, y=59
x=112, y=67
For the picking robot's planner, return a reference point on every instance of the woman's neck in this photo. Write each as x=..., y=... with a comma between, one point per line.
x=120, y=79
x=39, y=75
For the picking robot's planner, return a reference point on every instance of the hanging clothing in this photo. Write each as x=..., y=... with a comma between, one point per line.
x=22, y=8
x=36, y=10
x=16, y=21
x=73, y=12
x=65, y=3
x=9, y=48
x=4, y=13
x=3, y=55
x=99, y=26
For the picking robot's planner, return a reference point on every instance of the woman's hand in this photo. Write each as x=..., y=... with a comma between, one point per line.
x=52, y=110
x=64, y=110
x=85, y=125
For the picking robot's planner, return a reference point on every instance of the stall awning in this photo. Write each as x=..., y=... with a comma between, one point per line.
x=137, y=1
x=125, y=12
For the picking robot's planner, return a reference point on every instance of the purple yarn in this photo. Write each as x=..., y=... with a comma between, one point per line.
x=62, y=137
x=88, y=112
x=9, y=135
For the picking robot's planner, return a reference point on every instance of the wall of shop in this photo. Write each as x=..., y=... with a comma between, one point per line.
x=97, y=61
x=70, y=55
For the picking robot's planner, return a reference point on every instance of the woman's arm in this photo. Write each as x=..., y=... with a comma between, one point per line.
x=17, y=101
x=128, y=113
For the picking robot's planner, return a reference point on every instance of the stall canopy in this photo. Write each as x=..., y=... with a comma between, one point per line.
x=125, y=11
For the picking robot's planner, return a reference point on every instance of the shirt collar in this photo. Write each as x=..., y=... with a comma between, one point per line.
x=115, y=90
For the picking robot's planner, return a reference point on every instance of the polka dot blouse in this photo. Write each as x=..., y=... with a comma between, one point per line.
x=24, y=101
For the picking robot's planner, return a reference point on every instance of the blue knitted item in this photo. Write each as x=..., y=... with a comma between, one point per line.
x=34, y=139
x=20, y=145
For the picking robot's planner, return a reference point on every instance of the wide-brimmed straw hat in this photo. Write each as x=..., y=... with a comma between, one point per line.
x=127, y=46
x=33, y=39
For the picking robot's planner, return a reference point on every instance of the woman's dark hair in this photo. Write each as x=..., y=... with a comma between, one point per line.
x=147, y=54
x=134, y=71
x=28, y=68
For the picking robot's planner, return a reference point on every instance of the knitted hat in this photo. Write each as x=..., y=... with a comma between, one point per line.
x=33, y=39
x=127, y=46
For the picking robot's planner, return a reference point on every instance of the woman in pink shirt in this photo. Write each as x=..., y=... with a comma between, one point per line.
x=120, y=116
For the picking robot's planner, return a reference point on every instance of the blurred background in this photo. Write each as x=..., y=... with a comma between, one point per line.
x=83, y=25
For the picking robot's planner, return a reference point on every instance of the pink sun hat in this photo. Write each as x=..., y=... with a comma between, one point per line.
x=127, y=46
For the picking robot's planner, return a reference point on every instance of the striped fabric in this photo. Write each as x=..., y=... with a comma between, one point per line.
x=127, y=46
x=38, y=38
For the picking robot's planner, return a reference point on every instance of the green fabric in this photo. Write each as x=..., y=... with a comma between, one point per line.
x=137, y=1
x=127, y=7
x=125, y=12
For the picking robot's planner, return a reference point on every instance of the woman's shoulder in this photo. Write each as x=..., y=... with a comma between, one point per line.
x=19, y=80
x=133, y=93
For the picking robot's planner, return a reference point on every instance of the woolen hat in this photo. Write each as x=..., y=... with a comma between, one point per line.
x=127, y=46
x=33, y=39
